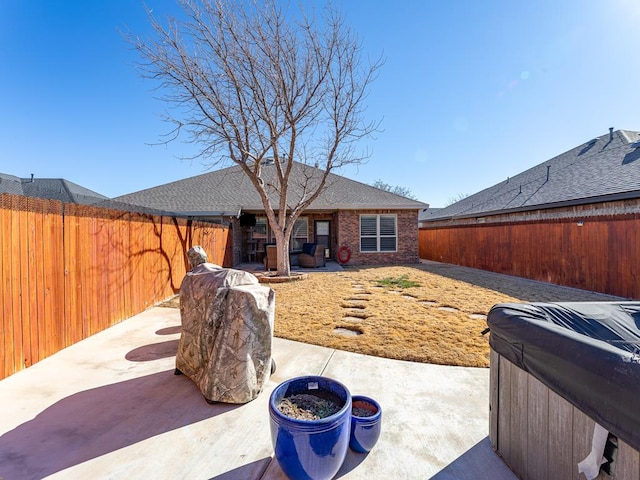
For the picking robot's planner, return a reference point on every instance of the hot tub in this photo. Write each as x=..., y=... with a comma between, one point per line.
x=556, y=370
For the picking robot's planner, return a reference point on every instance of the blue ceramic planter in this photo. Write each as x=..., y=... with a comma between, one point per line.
x=365, y=431
x=310, y=449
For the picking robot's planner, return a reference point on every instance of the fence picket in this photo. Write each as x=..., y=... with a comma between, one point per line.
x=7, y=339
x=69, y=271
x=601, y=254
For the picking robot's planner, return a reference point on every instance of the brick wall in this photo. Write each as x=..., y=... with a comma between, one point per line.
x=348, y=233
x=236, y=231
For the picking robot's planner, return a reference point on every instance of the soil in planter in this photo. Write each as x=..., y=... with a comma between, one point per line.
x=305, y=406
x=362, y=412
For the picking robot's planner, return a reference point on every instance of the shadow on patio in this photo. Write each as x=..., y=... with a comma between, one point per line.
x=111, y=407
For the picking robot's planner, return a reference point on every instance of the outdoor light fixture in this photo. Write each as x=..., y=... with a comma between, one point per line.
x=580, y=223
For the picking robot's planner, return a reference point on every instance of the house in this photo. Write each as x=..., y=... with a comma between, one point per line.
x=49, y=188
x=375, y=227
x=598, y=177
x=427, y=213
x=572, y=220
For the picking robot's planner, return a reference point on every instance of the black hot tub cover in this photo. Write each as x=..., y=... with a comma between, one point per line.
x=588, y=353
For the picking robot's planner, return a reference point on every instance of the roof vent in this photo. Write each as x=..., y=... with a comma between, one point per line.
x=610, y=133
x=267, y=161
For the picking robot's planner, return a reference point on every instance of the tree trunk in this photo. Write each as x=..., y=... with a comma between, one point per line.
x=282, y=247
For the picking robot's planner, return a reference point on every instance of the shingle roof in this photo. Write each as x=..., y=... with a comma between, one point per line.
x=49, y=188
x=428, y=213
x=229, y=191
x=603, y=169
x=10, y=184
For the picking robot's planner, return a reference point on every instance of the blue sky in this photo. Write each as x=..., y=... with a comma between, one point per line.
x=472, y=92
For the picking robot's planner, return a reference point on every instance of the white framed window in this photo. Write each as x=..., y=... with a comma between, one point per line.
x=378, y=233
x=299, y=234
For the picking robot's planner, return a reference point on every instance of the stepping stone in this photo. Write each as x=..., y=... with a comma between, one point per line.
x=448, y=309
x=355, y=306
x=350, y=318
x=347, y=332
x=359, y=314
x=408, y=297
x=428, y=303
x=478, y=316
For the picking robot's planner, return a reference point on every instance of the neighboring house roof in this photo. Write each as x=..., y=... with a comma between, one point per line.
x=10, y=184
x=49, y=188
x=606, y=168
x=427, y=213
x=229, y=191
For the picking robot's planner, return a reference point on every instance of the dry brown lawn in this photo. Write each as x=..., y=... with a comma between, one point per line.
x=439, y=320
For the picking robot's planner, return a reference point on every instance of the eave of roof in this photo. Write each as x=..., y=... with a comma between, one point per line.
x=209, y=213
x=369, y=207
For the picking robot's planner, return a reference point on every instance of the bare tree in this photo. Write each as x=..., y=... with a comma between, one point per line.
x=251, y=82
x=397, y=189
x=456, y=199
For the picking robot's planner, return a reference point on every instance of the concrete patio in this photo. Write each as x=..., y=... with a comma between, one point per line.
x=110, y=407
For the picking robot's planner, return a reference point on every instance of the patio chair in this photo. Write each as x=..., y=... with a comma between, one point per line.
x=312, y=256
x=270, y=257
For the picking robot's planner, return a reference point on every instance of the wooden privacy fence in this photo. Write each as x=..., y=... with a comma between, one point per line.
x=599, y=254
x=68, y=271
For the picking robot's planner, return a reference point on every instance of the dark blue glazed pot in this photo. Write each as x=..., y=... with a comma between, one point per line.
x=310, y=449
x=365, y=431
